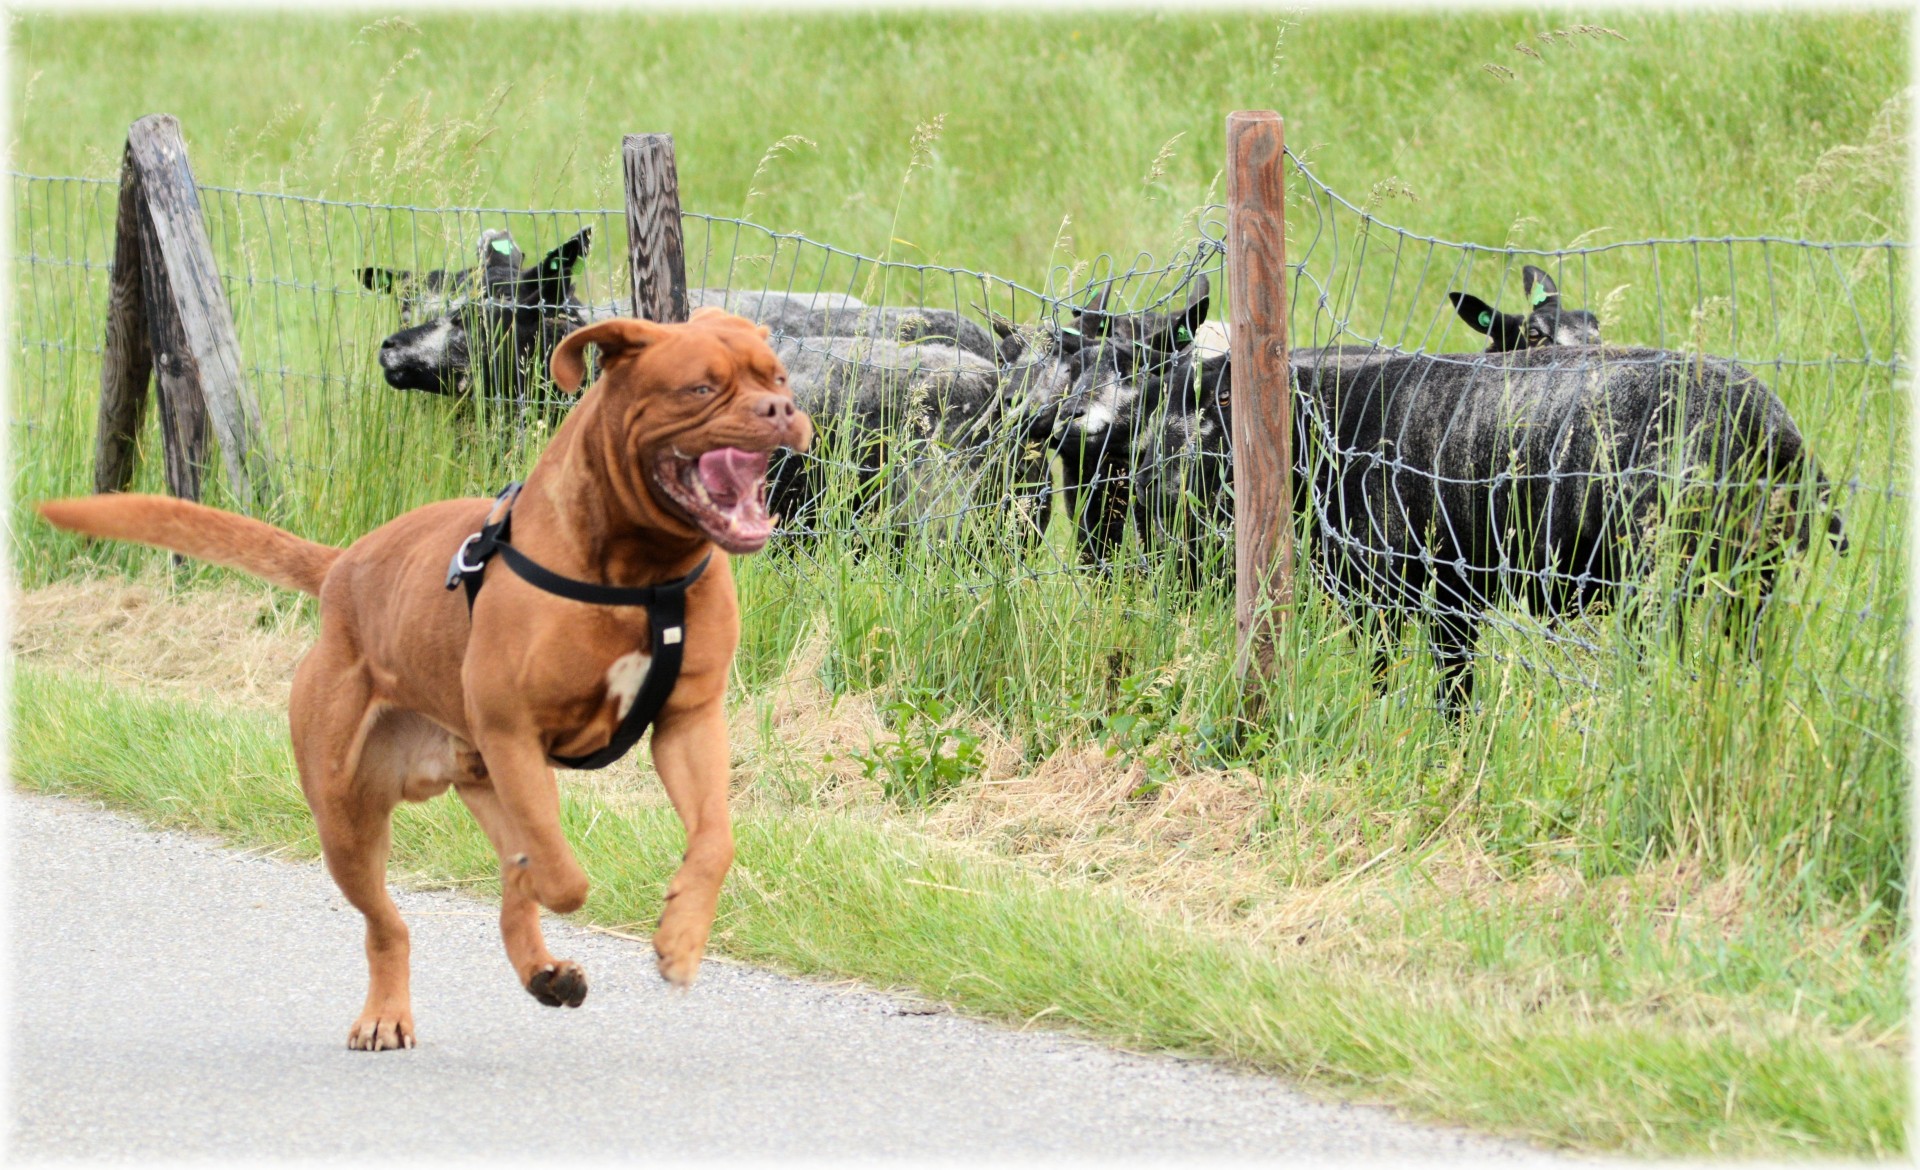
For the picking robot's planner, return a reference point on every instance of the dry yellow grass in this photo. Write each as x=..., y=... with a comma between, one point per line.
x=238, y=644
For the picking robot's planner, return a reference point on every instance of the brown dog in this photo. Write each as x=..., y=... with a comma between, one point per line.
x=406, y=694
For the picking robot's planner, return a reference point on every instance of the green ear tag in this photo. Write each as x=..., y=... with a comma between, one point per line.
x=1486, y=318
x=1539, y=293
x=503, y=246
x=1069, y=329
x=1184, y=336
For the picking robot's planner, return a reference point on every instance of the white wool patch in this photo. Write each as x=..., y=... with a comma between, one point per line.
x=624, y=678
x=1211, y=340
x=427, y=349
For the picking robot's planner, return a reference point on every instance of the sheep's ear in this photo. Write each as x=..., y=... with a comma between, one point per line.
x=1094, y=320
x=383, y=280
x=550, y=282
x=500, y=257
x=613, y=337
x=1001, y=325
x=1199, y=298
x=1538, y=284
x=1477, y=313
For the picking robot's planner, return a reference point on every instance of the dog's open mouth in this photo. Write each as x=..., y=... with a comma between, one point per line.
x=724, y=492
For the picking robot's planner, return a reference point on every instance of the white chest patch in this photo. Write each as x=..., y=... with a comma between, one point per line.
x=624, y=678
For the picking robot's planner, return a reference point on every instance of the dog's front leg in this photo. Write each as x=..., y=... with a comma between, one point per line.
x=517, y=763
x=690, y=753
x=554, y=982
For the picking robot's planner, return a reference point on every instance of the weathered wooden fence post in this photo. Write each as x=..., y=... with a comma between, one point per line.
x=655, y=252
x=168, y=316
x=1262, y=388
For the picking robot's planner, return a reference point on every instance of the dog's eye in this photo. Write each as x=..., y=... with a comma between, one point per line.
x=702, y=389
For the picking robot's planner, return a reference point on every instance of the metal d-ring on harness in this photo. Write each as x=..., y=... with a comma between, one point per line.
x=666, y=612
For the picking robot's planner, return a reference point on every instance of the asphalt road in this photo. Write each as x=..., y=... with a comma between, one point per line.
x=173, y=998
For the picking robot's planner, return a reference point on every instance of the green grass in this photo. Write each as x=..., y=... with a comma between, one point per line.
x=822, y=895
x=1045, y=117
x=1065, y=138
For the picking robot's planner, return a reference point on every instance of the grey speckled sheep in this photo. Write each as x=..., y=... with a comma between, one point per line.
x=924, y=413
x=1539, y=476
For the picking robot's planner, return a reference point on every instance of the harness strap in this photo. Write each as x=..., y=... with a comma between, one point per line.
x=666, y=605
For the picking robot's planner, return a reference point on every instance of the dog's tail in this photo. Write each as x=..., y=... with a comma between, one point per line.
x=206, y=534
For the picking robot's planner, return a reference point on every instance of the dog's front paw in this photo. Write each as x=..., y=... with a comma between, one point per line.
x=377, y=1031
x=681, y=941
x=559, y=984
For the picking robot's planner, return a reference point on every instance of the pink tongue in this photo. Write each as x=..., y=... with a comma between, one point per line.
x=730, y=473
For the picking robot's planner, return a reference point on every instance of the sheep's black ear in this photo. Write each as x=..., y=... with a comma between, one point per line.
x=1475, y=312
x=1505, y=331
x=1180, y=330
x=550, y=282
x=1094, y=320
x=382, y=280
x=500, y=257
x=1001, y=325
x=1540, y=287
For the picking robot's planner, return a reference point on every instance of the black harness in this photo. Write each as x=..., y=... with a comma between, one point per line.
x=666, y=612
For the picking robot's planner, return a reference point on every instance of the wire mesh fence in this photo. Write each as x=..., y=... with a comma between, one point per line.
x=1743, y=399
x=976, y=430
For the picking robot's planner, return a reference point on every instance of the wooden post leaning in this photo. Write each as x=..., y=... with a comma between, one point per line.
x=1262, y=389
x=168, y=320
x=655, y=252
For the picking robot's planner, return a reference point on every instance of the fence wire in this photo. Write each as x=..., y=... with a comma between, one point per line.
x=975, y=430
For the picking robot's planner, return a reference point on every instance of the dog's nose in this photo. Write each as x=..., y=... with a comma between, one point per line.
x=774, y=409
x=788, y=421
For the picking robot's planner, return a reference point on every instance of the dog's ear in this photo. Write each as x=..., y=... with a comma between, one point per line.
x=612, y=338
x=1540, y=287
x=382, y=280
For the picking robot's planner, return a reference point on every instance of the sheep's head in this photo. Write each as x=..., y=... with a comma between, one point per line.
x=498, y=318
x=1546, y=321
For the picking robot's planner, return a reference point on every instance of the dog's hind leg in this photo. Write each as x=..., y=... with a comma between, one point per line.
x=331, y=711
x=554, y=982
x=690, y=753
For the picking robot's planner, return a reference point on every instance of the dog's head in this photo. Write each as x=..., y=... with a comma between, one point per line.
x=695, y=410
x=498, y=318
x=1546, y=322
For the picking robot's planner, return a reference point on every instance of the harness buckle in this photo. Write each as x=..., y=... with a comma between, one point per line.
x=459, y=566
